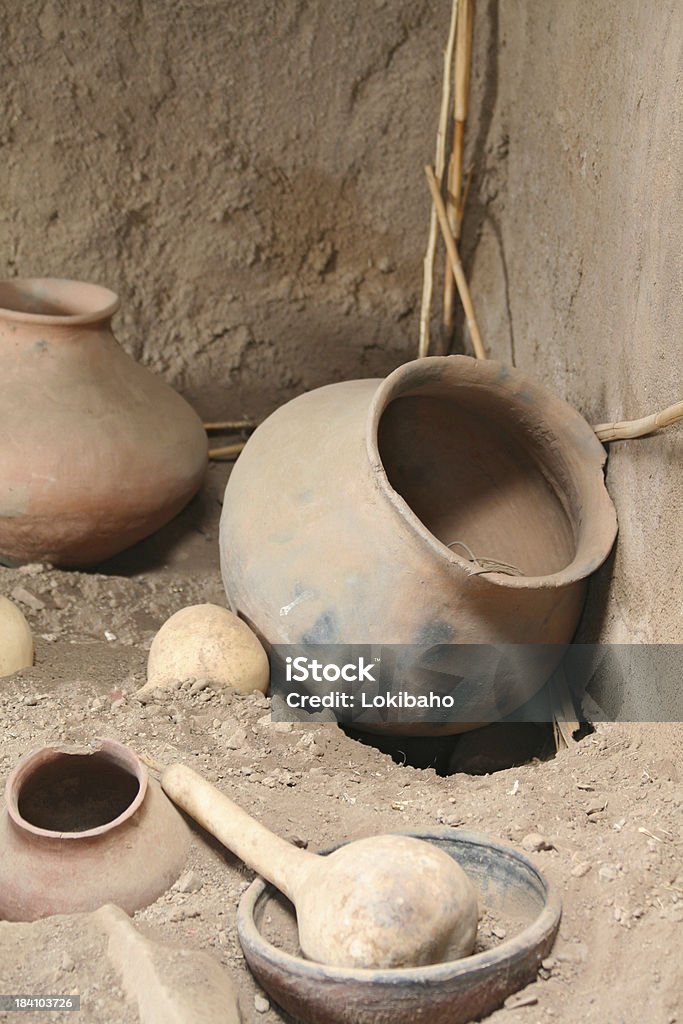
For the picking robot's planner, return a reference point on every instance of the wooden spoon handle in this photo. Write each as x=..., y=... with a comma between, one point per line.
x=284, y=865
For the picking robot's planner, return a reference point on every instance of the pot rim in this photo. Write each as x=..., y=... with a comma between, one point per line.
x=118, y=753
x=101, y=302
x=420, y=372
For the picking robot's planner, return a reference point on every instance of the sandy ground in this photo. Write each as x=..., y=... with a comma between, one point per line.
x=609, y=808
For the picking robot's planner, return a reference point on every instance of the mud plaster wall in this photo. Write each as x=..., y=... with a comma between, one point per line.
x=248, y=175
x=575, y=248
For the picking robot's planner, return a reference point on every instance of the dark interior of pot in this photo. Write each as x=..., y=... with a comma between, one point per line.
x=76, y=793
x=478, y=480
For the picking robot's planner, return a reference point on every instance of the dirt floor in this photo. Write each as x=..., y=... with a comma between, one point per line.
x=608, y=809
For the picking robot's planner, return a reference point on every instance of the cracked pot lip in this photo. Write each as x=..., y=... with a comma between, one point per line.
x=117, y=753
x=414, y=376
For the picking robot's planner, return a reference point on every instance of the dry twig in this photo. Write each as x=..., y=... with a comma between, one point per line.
x=626, y=429
x=439, y=163
x=229, y=451
x=456, y=265
x=455, y=197
x=228, y=425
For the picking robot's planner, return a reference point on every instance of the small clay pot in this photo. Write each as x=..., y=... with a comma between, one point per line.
x=96, y=452
x=85, y=827
x=457, y=502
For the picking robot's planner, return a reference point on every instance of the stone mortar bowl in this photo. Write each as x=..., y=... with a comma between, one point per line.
x=512, y=892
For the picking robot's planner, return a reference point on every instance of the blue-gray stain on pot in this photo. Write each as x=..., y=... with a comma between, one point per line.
x=421, y=377
x=41, y=345
x=325, y=630
x=431, y=634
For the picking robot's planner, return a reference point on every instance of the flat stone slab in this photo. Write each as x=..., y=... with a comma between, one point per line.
x=119, y=973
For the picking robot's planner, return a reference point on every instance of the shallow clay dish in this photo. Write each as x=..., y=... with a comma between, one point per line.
x=512, y=894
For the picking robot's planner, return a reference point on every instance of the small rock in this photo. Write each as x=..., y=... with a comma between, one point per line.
x=25, y=597
x=581, y=869
x=608, y=872
x=198, y=685
x=97, y=704
x=183, y=914
x=67, y=962
x=33, y=569
x=189, y=881
x=516, y=1002
x=534, y=842
x=145, y=697
x=261, y=1004
x=30, y=701
x=236, y=740
x=499, y=932
x=108, y=635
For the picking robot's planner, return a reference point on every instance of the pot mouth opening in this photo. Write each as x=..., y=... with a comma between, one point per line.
x=75, y=794
x=56, y=301
x=471, y=455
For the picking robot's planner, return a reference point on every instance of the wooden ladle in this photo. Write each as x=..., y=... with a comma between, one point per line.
x=385, y=901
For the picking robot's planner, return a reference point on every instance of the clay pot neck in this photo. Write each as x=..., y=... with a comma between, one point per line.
x=55, y=302
x=73, y=794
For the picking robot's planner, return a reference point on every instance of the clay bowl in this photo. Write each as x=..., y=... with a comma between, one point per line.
x=512, y=893
x=85, y=826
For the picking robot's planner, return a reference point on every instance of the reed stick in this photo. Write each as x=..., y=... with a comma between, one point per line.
x=456, y=265
x=455, y=198
x=229, y=451
x=439, y=163
x=626, y=429
x=232, y=425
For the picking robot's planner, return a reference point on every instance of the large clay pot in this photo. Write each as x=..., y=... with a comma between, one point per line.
x=96, y=452
x=346, y=516
x=82, y=828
